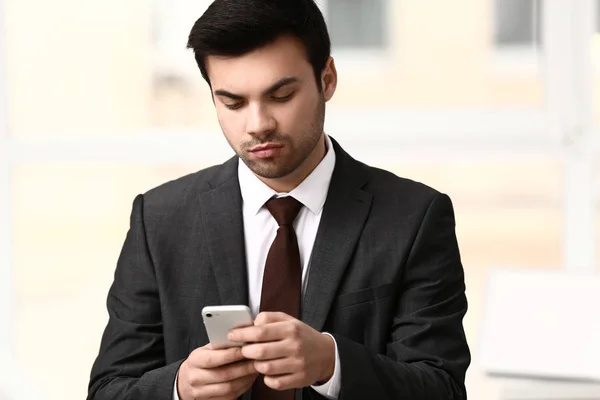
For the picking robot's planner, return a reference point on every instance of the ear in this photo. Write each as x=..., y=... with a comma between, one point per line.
x=329, y=79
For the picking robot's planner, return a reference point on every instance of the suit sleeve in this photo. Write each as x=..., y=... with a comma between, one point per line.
x=427, y=355
x=131, y=360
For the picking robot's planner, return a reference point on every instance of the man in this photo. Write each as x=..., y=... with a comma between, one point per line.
x=354, y=274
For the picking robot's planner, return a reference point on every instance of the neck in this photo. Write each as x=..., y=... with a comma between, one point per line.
x=289, y=182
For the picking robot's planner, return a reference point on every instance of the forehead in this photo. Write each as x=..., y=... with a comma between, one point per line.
x=254, y=71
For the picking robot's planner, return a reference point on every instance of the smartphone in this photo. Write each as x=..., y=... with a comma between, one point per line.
x=219, y=320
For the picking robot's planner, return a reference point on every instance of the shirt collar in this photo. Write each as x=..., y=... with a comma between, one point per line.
x=311, y=192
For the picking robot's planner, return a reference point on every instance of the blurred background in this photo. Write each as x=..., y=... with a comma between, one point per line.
x=494, y=102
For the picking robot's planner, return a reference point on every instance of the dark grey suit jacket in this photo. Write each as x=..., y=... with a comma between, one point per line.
x=386, y=280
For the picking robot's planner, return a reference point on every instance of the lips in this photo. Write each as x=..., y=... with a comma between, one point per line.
x=264, y=147
x=268, y=150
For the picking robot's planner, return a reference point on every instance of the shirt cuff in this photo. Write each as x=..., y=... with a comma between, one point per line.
x=331, y=388
x=175, y=394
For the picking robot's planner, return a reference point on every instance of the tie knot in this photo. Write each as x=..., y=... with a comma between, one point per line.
x=284, y=209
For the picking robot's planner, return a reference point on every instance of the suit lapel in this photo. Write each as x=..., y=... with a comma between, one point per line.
x=221, y=213
x=344, y=216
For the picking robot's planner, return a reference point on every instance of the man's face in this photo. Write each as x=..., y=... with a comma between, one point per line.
x=269, y=106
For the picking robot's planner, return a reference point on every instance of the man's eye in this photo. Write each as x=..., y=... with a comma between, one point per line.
x=283, y=98
x=234, y=106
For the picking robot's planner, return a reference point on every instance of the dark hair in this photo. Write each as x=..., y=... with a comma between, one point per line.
x=236, y=27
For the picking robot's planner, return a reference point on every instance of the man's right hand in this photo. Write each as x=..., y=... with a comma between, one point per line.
x=215, y=374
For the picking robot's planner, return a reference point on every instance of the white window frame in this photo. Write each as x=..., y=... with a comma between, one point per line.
x=568, y=28
x=7, y=317
x=564, y=129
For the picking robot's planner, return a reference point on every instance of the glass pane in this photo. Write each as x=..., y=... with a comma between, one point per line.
x=127, y=69
x=595, y=52
x=357, y=23
x=518, y=22
x=66, y=246
x=78, y=67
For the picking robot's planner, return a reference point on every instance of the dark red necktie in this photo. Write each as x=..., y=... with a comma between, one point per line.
x=282, y=280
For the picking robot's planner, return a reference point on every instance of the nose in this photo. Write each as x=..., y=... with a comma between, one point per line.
x=260, y=122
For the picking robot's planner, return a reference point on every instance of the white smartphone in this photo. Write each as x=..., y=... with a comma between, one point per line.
x=219, y=320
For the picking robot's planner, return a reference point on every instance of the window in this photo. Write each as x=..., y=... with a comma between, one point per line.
x=357, y=24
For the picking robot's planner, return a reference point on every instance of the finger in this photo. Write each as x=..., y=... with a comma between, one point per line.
x=226, y=390
x=208, y=346
x=266, y=317
x=282, y=366
x=226, y=373
x=284, y=382
x=256, y=334
x=267, y=351
x=206, y=358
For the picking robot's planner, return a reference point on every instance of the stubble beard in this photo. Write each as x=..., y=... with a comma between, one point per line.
x=298, y=150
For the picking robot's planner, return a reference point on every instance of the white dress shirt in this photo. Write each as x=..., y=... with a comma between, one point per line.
x=260, y=229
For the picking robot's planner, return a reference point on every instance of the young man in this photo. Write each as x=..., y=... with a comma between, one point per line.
x=354, y=274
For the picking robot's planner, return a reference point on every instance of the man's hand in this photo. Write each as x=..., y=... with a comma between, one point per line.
x=288, y=352
x=215, y=374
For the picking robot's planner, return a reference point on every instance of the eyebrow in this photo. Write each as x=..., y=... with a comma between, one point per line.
x=273, y=88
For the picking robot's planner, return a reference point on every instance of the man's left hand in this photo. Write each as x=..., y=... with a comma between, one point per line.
x=289, y=353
